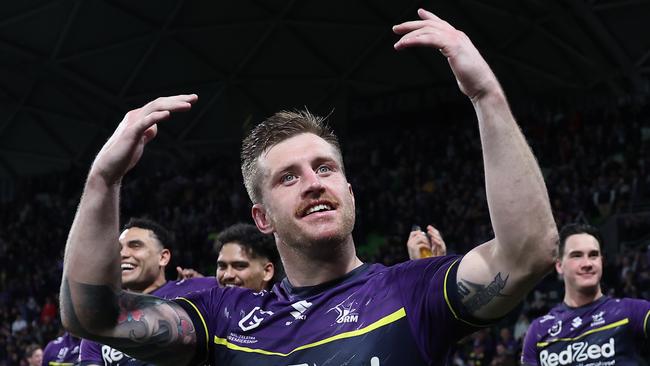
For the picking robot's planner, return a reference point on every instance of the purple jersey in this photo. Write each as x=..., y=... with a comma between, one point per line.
x=63, y=351
x=408, y=314
x=93, y=353
x=606, y=332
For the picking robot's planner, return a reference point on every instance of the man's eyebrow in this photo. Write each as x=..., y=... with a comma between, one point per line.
x=291, y=166
x=232, y=262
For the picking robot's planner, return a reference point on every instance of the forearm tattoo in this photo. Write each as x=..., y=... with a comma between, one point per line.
x=475, y=295
x=143, y=326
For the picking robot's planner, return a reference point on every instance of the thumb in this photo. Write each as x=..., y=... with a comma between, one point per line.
x=149, y=134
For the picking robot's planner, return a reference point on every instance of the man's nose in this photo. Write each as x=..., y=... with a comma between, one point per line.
x=229, y=273
x=313, y=183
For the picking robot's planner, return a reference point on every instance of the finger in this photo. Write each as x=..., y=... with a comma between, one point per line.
x=150, y=133
x=421, y=37
x=434, y=232
x=151, y=119
x=410, y=26
x=173, y=103
x=425, y=14
x=179, y=270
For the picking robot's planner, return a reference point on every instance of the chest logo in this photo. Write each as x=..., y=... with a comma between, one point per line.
x=254, y=318
x=62, y=353
x=597, y=319
x=300, y=308
x=576, y=322
x=111, y=355
x=555, y=329
x=346, y=314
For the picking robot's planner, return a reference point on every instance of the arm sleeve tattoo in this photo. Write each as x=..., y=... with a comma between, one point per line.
x=145, y=327
x=475, y=296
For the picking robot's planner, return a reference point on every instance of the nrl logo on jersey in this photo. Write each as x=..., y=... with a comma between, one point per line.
x=254, y=318
x=555, y=329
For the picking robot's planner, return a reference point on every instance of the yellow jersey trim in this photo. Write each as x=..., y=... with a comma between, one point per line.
x=205, y=326
x=444, y=286
x=595, y=330
x=645, y=324
x=400, y=313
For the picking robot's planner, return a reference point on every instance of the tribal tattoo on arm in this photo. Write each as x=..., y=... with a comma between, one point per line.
x=145, y=327
x=475, y=296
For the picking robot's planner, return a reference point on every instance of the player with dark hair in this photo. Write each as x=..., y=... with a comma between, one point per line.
x=34, y=355
x=246, y=258
x=145, y=254
x=587, y=327
x=331, y=307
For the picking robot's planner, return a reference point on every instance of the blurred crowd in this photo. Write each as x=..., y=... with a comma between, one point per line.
x=596, y=164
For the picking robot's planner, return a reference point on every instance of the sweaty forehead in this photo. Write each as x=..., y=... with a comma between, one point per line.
x=581, y=242
x=305, y=147
x=233, y=252
x=140, y=234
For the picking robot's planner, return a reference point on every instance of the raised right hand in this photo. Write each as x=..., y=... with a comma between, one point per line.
x=124, y=148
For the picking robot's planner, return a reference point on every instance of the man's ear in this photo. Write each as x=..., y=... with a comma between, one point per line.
x=351, y=191
x=269, y=271
x=165, y=257
x=558, y=266
x=261, y=218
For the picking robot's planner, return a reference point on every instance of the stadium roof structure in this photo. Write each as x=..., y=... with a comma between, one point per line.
x=69, y=69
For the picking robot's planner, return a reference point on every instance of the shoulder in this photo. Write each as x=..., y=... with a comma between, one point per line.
x=194, y=284
x=426, y=264
x=53, y=344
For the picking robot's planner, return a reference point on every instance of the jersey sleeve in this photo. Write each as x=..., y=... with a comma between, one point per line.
x=639, y=317
x=202, y=307
x=529, y=348
x=432, y=304
x=90, y=353
x=49, y=354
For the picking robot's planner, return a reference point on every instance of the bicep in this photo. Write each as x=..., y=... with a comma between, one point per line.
x=490, y=285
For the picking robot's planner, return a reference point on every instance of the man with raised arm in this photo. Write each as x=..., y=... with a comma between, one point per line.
x=331, y=308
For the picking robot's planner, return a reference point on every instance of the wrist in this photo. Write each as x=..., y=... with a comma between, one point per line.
x=98, y=182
